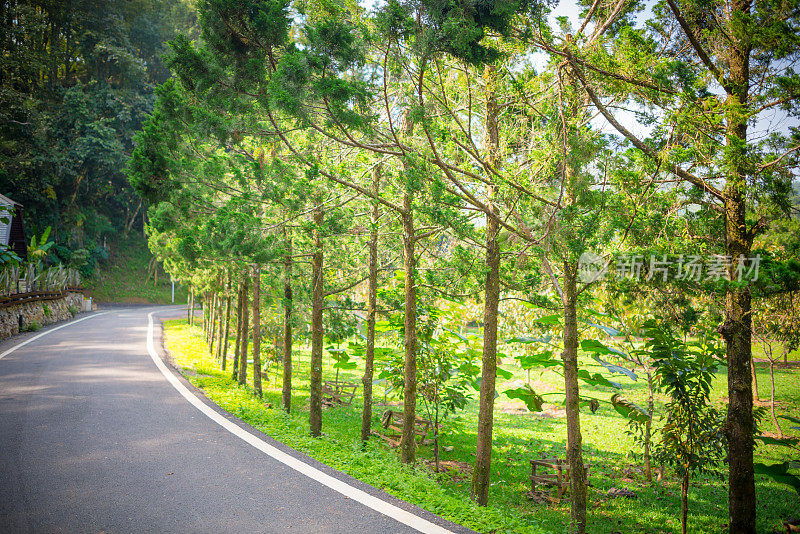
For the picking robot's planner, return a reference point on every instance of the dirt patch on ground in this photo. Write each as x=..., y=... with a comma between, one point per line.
x=512, y=406
x=459, y=471
x=553, y=412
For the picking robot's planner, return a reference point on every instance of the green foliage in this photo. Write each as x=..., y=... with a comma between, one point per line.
x=77, y=82
x=692, y=438
x=33, y=326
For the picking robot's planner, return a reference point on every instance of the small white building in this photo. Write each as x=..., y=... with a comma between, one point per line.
x=12, y=227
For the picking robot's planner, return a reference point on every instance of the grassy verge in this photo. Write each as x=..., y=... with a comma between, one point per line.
x=123, y=278
x=517, y=439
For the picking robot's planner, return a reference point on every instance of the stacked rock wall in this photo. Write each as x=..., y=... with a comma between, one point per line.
x=39, y=313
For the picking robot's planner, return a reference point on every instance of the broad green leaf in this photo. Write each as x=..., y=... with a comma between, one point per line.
x=523, y=339
x=540, y=359
x=526, y=394
x=592, y=345
x=628, y=409
x=615, y=368
x=502, y=373
x=607, y=329
x=596, y=379
x=549, y=319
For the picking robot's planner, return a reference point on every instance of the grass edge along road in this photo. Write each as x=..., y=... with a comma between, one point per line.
x=447, y=494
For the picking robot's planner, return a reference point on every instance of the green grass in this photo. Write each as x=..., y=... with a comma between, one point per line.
x=123, y=277
x=517, y=439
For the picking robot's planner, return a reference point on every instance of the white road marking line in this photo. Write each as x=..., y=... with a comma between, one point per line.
x=379, y=505
x=34, y=338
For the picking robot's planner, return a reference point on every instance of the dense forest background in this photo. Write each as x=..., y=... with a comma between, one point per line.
x=78, y=81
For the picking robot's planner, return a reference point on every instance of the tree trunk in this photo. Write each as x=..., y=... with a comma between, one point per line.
x=317, y=302
x=737, y=333
x=287, y=324
x=220, y=325
x=772, y=397
x=684, y=501
x=574, y=440
x=257, y=330
x=190, y=307
x=212, y=323
x=755, y=378
x=737, y=327
x=204, y=313
x=483, y=453
x=237, y=349
x=129, y=223
x=227, y=330
x=369, y=354
x=407, y=443
x=245, y=326
x=648, y=468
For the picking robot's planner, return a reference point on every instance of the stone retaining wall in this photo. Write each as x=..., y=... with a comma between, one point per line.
x=38, y=313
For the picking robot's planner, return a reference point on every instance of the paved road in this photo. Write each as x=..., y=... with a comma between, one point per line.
x=93, y=438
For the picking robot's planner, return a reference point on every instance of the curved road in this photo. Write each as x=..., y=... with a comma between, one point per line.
x=95, y=438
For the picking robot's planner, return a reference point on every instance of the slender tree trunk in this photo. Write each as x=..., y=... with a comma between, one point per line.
x=772, y=397
x=189, y=307
x=369, y=354
x=648, y=469
x=317, y=302
x=257, y=330
x=574, y=440
x=213, y=326
x=227, y=332
x=245, y=326
x=287, y=324
x=237, y=349
x=483, y=454
x=204, y=312
x=407, y=443
x=684, y=501
x=755, y=378
x=220, y=324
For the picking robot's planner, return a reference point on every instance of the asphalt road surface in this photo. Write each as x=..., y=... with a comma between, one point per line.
x=94, y=438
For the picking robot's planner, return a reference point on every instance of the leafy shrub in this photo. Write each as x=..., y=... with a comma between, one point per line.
x=32, y=327
x=73, y=310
